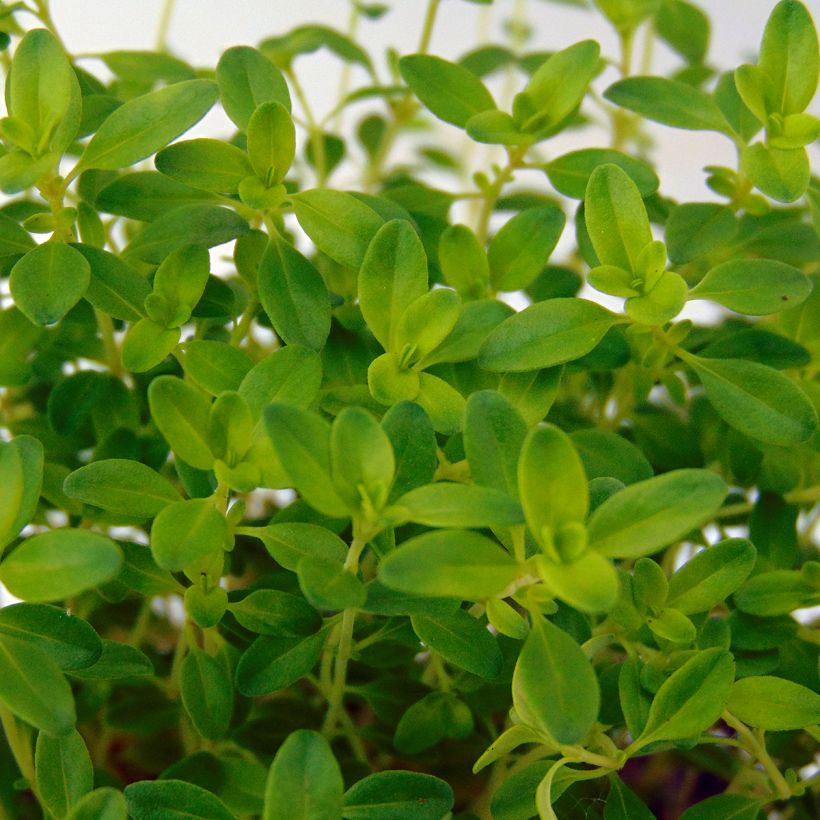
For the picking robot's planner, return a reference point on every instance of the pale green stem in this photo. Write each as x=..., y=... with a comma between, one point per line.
x=112, y=351
x=344, y=639
x=491, y=196
x=19, y=744
x=756, y=747
x=314, y=131
x=429, y=24
x=164, y=24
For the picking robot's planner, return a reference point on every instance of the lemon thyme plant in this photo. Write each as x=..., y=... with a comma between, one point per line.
x=542, y=562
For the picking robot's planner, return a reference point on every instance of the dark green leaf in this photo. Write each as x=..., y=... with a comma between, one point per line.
x=304, y=781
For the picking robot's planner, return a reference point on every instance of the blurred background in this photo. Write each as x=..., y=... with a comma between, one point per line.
x=199, y=30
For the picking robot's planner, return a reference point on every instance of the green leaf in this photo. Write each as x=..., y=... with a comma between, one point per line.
x=33, y=687
x=310, y=38
x=114, y=288
x=122, y=486
x=271, y=142
x=570, y=173
x=60, y=564
x=760, y=402
x=48, y=281
x=294, y=296
x=696, y=228
x=462, y=640
x=147, y=67
x=197, y=224
x=554, y=686
x=21, y=479
x=651, y=514
x=725, y=807
x=623, y=804
x=774, y=704
x=63, y=771
x=448, y=90
x=711, y=576
x=68, y=640
x=685, y=28
x=588, y=583
x=436, y=716
x=105, y=803
x=141, y=574
x=495, y=128
x=208, y=164
x=449, y=504
x=463, y=262
x=552, y=485
x=40, y=90
x=474, y=323
x=140, y=127
x=670, y=102
x=215, y=366
x=443, y=403
x=270, y=664
x=425, y=324
x=520, y=250
x=557, y=88
x=289, y=543
x=782, y=174
x=339, y=224
x=754, y=286
x=328, y=585
x=449, y=563
x=146, y=196
x=393, y=274
x=181, y=413
x=775, y=593
x=304, y=781
x=387, y=795
x=546, y=334
x=361, y=458
x=291, y=375
x=173, y=799
x=606, y=454
x=206, y=689
x=271, y=612
x=247, y=79
x=691, y=699
x=660, y=304
x=301, y=440
x=146, y=344
x=789, y=57
x=118, y=660
x=616, y=218
x=493, y=435
x=187, y=531
x=414, y=446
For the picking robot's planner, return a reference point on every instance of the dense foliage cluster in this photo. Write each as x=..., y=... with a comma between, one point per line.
x=539, y=562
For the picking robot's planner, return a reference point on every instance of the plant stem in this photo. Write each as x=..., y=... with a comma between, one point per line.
x=429, y=24
x=112, y=351
x=20, y=746
x=44, y=13
x=494, y=191
x=164, y=24
x=756, y=747
x=315, y=135
x=344, y=651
